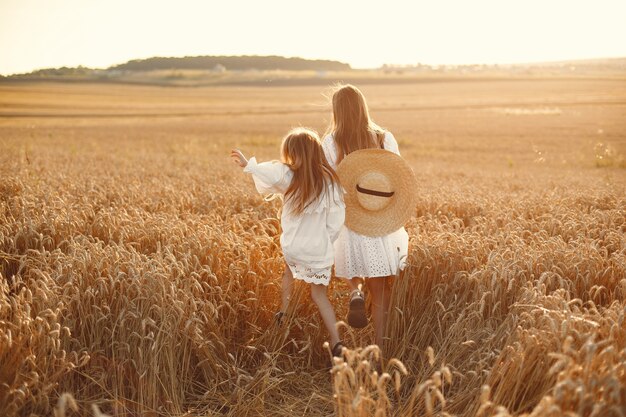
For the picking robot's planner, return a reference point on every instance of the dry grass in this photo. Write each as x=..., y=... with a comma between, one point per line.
x=140, y=271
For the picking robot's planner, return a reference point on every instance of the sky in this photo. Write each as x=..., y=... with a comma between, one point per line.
x=38, y=34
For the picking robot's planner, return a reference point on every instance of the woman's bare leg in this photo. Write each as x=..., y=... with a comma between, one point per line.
x=356, y=317
x=380, y=290
x=355, y=284
x=286, y=288
x=319, y=296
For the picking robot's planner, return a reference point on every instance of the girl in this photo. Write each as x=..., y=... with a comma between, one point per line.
x=312, y=215
x=375, y=259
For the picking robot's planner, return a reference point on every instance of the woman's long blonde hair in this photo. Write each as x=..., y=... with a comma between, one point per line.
x=302, y=151
x=352, y=126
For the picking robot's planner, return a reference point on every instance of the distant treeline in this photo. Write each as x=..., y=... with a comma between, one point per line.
x=231, y=63
x=79, y=71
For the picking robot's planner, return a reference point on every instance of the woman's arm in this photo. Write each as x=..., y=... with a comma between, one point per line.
x=390, y=143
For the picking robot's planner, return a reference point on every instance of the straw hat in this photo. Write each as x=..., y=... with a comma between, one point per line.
x=381, y=191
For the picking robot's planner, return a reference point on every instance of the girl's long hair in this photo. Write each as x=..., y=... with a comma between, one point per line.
x=352, y=126
x=301, y=150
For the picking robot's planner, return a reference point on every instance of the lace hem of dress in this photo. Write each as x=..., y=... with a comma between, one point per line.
x=311, y=276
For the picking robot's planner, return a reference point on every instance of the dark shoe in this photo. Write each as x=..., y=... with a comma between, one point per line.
x=337, y=350
x=356, y=312
x=278, y=318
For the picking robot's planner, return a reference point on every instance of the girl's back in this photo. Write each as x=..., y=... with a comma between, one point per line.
x=313, y=211
x=312, y=216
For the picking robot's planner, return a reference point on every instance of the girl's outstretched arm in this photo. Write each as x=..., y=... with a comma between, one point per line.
x=269, y=177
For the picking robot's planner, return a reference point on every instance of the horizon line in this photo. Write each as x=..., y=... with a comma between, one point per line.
x=352, y=67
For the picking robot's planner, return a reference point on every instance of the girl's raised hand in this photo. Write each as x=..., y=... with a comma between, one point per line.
x=239, y=158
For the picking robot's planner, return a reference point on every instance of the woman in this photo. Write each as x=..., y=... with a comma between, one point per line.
x=357, y=257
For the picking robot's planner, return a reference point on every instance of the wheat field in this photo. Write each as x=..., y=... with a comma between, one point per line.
x=140, y=271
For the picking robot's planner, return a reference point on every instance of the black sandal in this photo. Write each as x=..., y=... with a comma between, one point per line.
x=356, y=312
x=337, y=350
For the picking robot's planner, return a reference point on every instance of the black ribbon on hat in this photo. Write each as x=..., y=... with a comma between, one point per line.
x=374, y=192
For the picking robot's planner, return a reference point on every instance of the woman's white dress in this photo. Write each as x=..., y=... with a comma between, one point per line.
x=364, y=256
x=307, y=238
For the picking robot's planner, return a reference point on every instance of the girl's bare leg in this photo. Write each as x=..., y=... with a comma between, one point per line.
x=380, y=290
x=287, y=286
x=319, y=296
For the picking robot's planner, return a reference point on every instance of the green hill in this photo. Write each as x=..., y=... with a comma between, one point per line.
x=231, y=63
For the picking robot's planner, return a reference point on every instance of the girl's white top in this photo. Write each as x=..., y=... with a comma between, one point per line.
x=364, y=256
x=307, y=238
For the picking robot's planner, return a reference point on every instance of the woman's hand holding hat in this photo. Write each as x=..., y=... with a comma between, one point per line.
x=381, y=191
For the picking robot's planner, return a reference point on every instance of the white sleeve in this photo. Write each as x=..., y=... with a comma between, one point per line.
x=328, y=146
x=390, y=143
x=269, y=177
x=336, y=215
x=334, y=220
